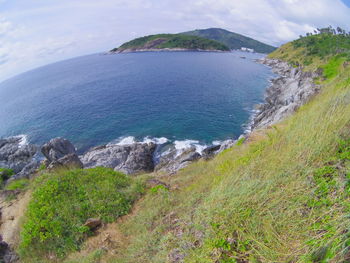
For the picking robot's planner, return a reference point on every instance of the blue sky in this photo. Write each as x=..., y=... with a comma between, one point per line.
x=37, y=32
x=347, y=2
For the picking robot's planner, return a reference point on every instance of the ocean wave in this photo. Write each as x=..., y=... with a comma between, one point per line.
x=125, y=140
x=24, y=140
x=160, y=141
x=217, y=142
x=183, y=145
x=179, y=145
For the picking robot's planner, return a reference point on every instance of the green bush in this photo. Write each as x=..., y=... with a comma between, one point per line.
x=18, y=184
x=6, y=173
x=61, y=203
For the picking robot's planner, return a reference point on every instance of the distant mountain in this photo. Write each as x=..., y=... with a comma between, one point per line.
x=232, y=40
x=171, y=42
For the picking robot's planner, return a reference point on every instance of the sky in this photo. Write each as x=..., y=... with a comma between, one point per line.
x=38, y=32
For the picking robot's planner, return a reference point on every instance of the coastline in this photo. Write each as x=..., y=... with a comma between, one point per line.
x=287, y=92
x=167, y=50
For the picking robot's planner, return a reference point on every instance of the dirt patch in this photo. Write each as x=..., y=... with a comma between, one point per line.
x=109, y=238
x=12, y=208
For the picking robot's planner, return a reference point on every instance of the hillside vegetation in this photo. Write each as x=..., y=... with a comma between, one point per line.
x=281, y=196
x=232, y=40
x=61, y=203
x=171, y=41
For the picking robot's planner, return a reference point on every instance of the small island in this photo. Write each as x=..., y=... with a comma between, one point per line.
x=171, y=42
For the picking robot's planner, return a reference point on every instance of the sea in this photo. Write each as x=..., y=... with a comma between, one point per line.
x=185, y=98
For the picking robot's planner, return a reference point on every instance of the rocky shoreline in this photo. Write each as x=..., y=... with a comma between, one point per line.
x=130, y=158
x=291, y=89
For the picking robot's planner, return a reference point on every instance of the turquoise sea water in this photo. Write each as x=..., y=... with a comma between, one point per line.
x=95, y=99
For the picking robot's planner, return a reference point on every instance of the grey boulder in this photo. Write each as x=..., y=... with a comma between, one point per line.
x=57, y=148
x=27, y=170
x=18, y=157
x=210, y=151
x=68, y=161
x=130, y=159
x=174, y=161
x=59, y=153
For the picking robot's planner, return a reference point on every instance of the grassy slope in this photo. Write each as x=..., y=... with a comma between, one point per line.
x=283, y=196
x=232, y=40
x=268, y=200
x=173, y=41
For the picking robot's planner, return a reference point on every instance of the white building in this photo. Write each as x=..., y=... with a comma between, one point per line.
x=247, y=49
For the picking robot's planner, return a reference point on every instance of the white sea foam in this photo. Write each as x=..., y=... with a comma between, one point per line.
x=181, y=146
x=23, y=141
x=216, y=142
x=160, y=141
x=200, y=147
x=124, y=140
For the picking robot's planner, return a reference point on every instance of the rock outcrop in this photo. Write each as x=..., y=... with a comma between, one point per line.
x=174, y=160
x=57, y=148
x=210, y=151
x=291, y=89
x=7, y=255
x=60, y=152
x=69, y=161
x=18, y=156
x=130, y=159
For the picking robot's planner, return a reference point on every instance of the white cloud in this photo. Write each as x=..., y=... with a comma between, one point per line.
x=33, y=33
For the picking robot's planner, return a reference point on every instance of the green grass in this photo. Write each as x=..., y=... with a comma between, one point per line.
x=61, y=203
x=331, y=69
x=173, y=41
x=93, y=257
x=20, y=184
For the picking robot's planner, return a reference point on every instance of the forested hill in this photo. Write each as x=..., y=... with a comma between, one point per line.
x=232, y=40
x=171, y=42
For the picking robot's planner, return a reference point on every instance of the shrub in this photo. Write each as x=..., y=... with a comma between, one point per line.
x=6, y=173
x=62, y=201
